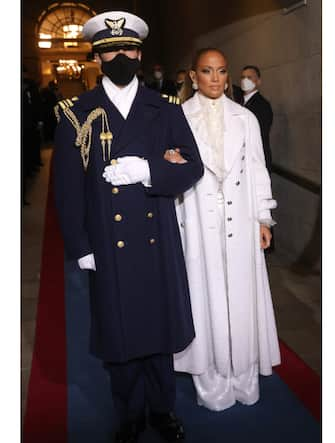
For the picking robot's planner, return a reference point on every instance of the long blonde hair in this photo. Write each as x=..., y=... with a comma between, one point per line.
x=187, y=91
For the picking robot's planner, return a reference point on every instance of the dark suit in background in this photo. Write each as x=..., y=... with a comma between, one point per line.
x=31, y=112
x=163, y=86
x=263, y=111
x=237, y=94
x=259, y=106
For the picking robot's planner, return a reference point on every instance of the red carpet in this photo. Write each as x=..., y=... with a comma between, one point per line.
x=46, y=410
x=301, y=379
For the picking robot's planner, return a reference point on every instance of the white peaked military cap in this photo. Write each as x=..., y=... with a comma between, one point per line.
x=115, y=29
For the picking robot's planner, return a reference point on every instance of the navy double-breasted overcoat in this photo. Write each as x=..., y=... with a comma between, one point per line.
x=139, y=292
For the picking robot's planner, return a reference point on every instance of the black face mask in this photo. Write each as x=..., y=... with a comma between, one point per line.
x=121, y=69
x=179, y=85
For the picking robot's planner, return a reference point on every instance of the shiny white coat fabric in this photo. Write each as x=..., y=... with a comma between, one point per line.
x=236, y=335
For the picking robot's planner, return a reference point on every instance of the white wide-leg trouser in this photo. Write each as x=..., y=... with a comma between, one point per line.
x=215, y=391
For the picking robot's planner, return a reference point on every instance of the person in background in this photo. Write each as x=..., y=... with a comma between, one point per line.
x=237, y=94
x=160, y=83
x=99, y=79
x=224, y=222
x=115, y=199
x=50, y=96
x=140, y=77
x=258, y=105
x=180, y=79
x=30, y=133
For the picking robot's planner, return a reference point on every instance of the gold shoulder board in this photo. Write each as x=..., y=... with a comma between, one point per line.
x=67, y=103
x=172, y=99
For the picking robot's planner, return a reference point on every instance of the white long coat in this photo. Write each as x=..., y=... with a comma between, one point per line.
x=234, y=328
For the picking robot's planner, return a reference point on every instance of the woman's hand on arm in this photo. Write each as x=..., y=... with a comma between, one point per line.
x=174, y=156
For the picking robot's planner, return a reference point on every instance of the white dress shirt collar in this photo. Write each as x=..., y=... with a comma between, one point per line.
x=122, y=98
x=247, y=97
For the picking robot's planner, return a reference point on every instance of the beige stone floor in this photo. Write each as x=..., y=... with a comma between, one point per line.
x=296, y=294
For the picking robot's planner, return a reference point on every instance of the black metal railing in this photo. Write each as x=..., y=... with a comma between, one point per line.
x=303, y=182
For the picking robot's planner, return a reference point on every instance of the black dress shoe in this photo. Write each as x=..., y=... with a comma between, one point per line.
x=129, y=432
x=168, y=426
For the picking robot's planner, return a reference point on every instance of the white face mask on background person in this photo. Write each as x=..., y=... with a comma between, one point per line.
x=158, y=75
x=247, y=85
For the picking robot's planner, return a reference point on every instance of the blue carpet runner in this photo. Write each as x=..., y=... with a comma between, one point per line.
x=278, y=417
x=69, y=400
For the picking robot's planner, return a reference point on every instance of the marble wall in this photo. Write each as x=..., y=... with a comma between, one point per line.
x=287, y=48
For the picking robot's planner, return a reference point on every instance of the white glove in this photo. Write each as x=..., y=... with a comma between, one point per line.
x=128, y=171
x=87, y=262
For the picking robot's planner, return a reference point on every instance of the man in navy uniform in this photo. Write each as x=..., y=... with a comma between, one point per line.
x=115, y=199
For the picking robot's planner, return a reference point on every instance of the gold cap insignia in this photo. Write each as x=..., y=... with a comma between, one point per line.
x=116, y=26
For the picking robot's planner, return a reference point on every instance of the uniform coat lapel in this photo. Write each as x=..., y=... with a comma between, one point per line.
x=143, y=112
x=193, y=112
x=98, y=98
x=233, y=131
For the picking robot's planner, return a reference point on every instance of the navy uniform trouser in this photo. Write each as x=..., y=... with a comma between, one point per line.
x=147, y=382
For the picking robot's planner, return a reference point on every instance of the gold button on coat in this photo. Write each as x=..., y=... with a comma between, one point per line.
x=114, y=161
x=152, y=241
x=115, y=190
x=118, y=217
x=150, y=214
x=120, y=244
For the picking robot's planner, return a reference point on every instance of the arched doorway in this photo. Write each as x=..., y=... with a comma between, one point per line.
x=64, y=55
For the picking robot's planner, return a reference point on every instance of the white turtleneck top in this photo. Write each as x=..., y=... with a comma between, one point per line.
x=214, y=117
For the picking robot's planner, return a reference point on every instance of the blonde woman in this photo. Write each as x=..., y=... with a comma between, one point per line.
x=225, y=222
